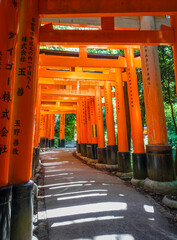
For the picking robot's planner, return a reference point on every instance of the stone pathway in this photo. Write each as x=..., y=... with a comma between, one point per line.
x=83, y=203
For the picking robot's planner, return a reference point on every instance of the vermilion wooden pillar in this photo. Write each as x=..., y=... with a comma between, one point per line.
x=101, y=150
x=24, y=93
x=123, y=156
x=78, y=126
x=139, y=156
x=53, y=131
x=47, y=127
x=93, y=121
x=9, y=16
x=94, y=139
x=89, y=140
x=62, y=130
x=43, y=131
x=159, y=153
x=112, y=147
x=37, y=117
x=83, y=128
x=23, y=119
x=173, y=19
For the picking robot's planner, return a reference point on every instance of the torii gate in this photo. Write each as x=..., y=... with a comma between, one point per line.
x=19, y=56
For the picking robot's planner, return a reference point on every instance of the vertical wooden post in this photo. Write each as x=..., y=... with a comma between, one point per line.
x=37, y=117
x=42, y=131
x=62, y=130
x=93, y=121
x=9, y=17
x=24, y=93
x=159, y=166
x=94, y=141
x=53, y=131
x=78, y=125
x=84, y=128
x=88, y=120
x=139, y=157
x=173, y=19
x=101, y=150
x=112, y=147
x=124, y=164
x=47, y=129
x=23, y=120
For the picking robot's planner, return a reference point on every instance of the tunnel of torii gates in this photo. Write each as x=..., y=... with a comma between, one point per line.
x=35, y=85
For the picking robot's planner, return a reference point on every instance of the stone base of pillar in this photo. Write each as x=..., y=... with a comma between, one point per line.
x=124, y=164
x=78, y=147
x=137, y=182
x=47, y=142
x=5, y=211
x=139, y=166
x=84, y=149
x=162, y=188
x=102, y=155
x=42, y=142
x=35, y=164
x=112, y=154
x=160, y=163
x=22, y=211
x=92, y=151
x=37, y=150
x=52, y=142
x=61, y=143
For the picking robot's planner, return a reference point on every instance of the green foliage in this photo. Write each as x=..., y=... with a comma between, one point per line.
x=70, y=127
x=169, y=91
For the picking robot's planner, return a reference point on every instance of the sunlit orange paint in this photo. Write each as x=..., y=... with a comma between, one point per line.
x=24, y=94
x=93, y=121
x=109, y=114
x=62, y=126
x=173, y=19
x=37, y=117
x=78, y=124
x=83, y=122
x=121, y=115
x=9, y=15
x=134, y=104
x=88, y=114
x=99, y=118
x=153, y=99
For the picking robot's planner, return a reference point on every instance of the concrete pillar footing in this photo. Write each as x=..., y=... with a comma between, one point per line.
x=112, y=167
x=92, y=151
x=102, y=155
x=127, y=175
x=124, y=164
x=139, y=165
x=169, y=202
x=137, y=182
x=22, y=211
x=112, y=154
x=160, y=163
x=5, y=211
x=162, y=188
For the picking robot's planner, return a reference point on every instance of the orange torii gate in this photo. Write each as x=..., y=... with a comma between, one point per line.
x=19, y=56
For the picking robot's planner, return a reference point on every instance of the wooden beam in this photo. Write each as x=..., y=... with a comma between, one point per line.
x=92, y=8
x=93, y=37
x=132, y=22
x=52, y=81
x=57, y=62
x=75, y=75
x=66, y=93
x=57, y=112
